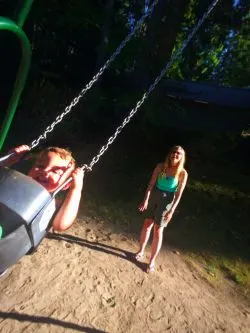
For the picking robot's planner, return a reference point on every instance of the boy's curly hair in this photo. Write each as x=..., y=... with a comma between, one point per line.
x=65, y=154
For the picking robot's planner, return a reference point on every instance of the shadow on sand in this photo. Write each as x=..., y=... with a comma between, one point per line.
x=115, y=251
x=47, y=320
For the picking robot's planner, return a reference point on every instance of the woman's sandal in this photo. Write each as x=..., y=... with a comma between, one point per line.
x=138, y=256
x=150, y=268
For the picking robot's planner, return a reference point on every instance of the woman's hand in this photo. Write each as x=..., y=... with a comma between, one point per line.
x=167, y=217
x=143, y=206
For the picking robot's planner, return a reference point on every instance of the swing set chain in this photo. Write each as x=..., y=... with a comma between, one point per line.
x=173, y=58
x=95, y=78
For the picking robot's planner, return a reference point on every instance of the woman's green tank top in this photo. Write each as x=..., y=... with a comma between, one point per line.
x=166, y=183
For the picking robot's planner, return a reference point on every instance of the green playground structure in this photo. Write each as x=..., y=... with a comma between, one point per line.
x=9, y=25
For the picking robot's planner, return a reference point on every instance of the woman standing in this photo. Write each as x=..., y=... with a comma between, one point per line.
x=163, y=195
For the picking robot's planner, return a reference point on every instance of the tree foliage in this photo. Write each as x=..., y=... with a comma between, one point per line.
x=219, y=52
x=74, y=37
x=71, y=39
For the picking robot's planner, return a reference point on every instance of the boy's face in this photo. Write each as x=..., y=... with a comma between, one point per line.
x=50, y=170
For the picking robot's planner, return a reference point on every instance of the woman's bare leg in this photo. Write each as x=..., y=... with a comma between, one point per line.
x=156, y=246
x=144, y=237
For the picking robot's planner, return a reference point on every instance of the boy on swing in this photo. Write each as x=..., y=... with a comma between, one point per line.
x=51, y=169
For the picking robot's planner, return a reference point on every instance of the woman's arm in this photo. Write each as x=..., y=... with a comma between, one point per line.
x=150, y=186
x=182, y=184
x=67, y=213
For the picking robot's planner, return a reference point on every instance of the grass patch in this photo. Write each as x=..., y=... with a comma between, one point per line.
x=218, y=266
x=216, y=189
x=237, y=270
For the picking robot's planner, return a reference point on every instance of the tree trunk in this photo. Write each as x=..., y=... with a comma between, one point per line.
x=157, y=46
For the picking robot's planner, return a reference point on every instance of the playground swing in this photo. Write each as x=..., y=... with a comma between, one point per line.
x=28, y=221
x=29, y=207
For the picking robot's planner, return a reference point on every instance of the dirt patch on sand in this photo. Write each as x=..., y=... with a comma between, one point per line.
x=85, y=281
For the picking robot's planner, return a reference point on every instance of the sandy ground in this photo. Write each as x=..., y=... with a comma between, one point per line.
x=85, y=281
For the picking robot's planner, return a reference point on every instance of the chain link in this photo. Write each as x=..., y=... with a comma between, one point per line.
x=95, y=78
x=245, y=133
x=173, y=58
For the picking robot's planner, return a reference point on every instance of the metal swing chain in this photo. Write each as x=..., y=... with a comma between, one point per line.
x=95, y=78
x=173, y=58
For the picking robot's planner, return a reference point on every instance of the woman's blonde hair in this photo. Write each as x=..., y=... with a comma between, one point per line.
x=167, y=162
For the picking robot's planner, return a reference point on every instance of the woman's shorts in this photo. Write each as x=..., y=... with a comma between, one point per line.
x=159, y=204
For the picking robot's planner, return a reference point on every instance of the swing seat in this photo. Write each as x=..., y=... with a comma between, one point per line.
x=13, y=247
x=26, y=208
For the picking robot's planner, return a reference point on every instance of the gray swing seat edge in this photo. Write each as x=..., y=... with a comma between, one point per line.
x=21, y=194
x=22, y=201
x=13, y=247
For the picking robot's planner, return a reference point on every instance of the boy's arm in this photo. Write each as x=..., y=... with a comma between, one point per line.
x=67, y=213
x=18, y=152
